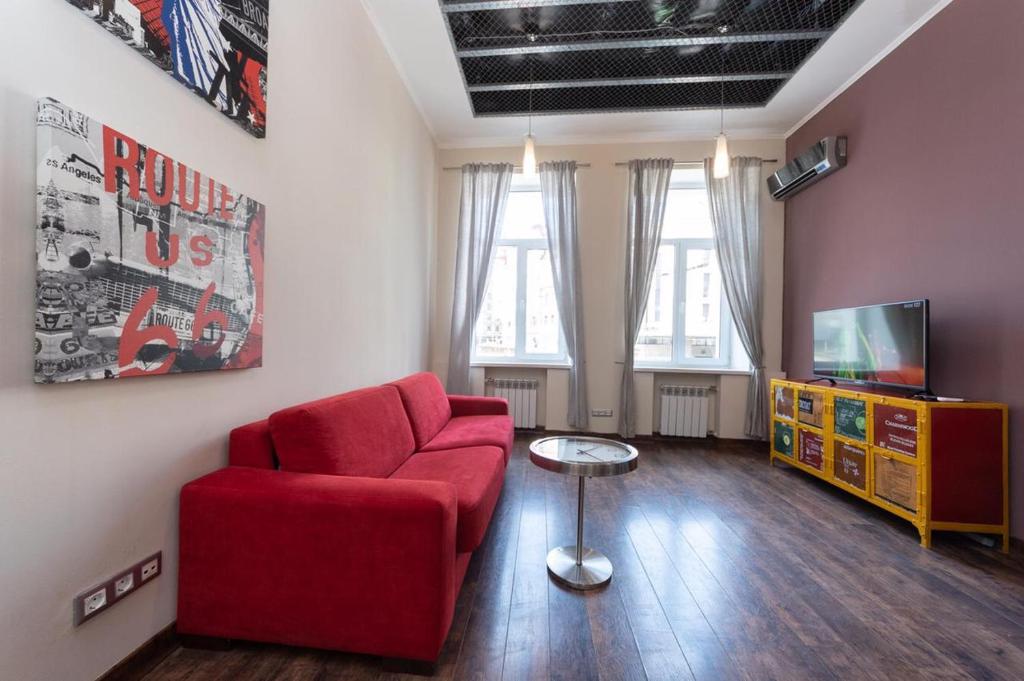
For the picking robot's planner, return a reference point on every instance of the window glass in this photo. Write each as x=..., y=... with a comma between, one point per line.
x=519, y=320
x=524, y=216
x=703, y=323
x=496, y=326
x=687, y=215
x=654, y=343
x=543, y=328
x=687, y=321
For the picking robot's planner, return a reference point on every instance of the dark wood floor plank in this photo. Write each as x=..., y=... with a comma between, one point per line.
x=842, y=641
x=803, y=536
x=725, y=568
x=641, y=643
x=768, y=511
x=749, y=625
x=572, y=647
x=482, y=653
x=982, y=648
x=660, y=652
x=701, y=649
x=527, y=644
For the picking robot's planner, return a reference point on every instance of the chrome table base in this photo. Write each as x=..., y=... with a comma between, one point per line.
x=593, y=571
x=579, y=567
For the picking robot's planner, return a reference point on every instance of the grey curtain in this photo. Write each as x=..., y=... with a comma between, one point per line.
x=736, y=217
x=558, y=192
x=645, y=212
x=485, y=190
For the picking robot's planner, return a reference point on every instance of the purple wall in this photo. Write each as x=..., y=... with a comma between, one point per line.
x=931, y=205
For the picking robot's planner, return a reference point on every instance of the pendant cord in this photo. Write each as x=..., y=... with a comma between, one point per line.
x=721, y=127
x=530, y=116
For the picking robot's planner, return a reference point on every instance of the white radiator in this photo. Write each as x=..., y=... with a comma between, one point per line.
x=684, y=410
x=522, y=399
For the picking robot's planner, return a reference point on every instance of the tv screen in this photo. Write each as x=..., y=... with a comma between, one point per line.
x=878, y=344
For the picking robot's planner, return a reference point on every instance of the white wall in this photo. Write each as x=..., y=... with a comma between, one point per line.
x=90, y=473
x=602, y=209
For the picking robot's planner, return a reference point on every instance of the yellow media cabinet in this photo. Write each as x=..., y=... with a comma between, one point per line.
x=940, y=465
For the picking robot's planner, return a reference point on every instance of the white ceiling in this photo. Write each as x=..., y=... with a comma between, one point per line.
x=415, y=34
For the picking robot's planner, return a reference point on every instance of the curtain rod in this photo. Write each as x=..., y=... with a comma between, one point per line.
x=624, y=164
x=620, y=164
x=515, y=168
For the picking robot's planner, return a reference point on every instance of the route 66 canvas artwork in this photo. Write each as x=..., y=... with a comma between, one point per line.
x=144, y=265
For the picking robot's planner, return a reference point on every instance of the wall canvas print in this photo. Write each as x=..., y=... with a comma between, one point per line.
x=144, y=265
x=216, y=48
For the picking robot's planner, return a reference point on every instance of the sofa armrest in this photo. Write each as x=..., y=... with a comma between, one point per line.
x=358, y=564
x=250, y=445
x=470, y=405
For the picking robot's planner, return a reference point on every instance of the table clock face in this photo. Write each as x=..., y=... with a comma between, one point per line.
x=572, y=450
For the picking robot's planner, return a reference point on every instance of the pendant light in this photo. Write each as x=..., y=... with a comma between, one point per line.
x=720, y=168
x=529, y=156
x=529, y=146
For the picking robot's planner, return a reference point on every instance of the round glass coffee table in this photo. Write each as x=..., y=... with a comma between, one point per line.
x=577, y=566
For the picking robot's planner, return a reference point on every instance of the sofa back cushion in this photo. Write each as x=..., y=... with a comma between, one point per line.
x=426, y=403
x=364, y=433
x=250, y=445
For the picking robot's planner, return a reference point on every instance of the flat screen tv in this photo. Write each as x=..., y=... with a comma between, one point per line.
x=883, y=345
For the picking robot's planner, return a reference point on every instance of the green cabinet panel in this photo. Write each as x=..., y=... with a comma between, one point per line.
x=783, y=439
x=851, y=418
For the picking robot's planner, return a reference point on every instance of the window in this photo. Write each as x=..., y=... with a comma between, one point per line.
x=687, y=321
x=519, y=320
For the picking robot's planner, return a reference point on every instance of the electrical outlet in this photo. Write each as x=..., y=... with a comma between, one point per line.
x=94, y=602
x=151, y=569
x=103, y=596
x=601, y=412
x=124, y=584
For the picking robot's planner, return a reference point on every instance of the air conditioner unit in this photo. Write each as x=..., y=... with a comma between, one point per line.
x=821, y=160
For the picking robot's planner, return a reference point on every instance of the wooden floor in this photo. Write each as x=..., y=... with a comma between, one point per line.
x=725, y=568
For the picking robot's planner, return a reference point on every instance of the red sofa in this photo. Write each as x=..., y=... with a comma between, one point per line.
x=345, y=523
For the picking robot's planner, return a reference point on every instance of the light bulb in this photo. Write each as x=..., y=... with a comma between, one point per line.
x=721, y=166
x=529, y=157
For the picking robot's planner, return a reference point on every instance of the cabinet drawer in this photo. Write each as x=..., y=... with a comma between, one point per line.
x=785, y=402
x=896, y=429
x=895, y=481
x=782, y=442
x=812, y=450
x=850, y=417
x=811, y=408
x=851, y=465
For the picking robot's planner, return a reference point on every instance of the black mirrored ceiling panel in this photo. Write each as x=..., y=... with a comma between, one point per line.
x=577, y=56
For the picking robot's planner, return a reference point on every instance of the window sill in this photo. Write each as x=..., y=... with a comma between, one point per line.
x=713, y=371
x=520, y=364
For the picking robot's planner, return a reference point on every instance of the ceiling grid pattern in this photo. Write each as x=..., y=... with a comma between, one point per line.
x=586, y=56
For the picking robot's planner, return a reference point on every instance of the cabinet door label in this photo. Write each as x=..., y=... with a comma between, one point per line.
x=896, y=429
x=812, y=450
x=784, y=402
x=812, y=408
x=896, y=481
x=851, y=418
x=851, y=465
x=783, y=443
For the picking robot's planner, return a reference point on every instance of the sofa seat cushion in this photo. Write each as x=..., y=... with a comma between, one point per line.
x=364, y=433
x=426, y=403
x=477, y=474
x=475, y=431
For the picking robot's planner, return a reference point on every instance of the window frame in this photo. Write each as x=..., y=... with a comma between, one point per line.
x=523, y=247
x=681, y=245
